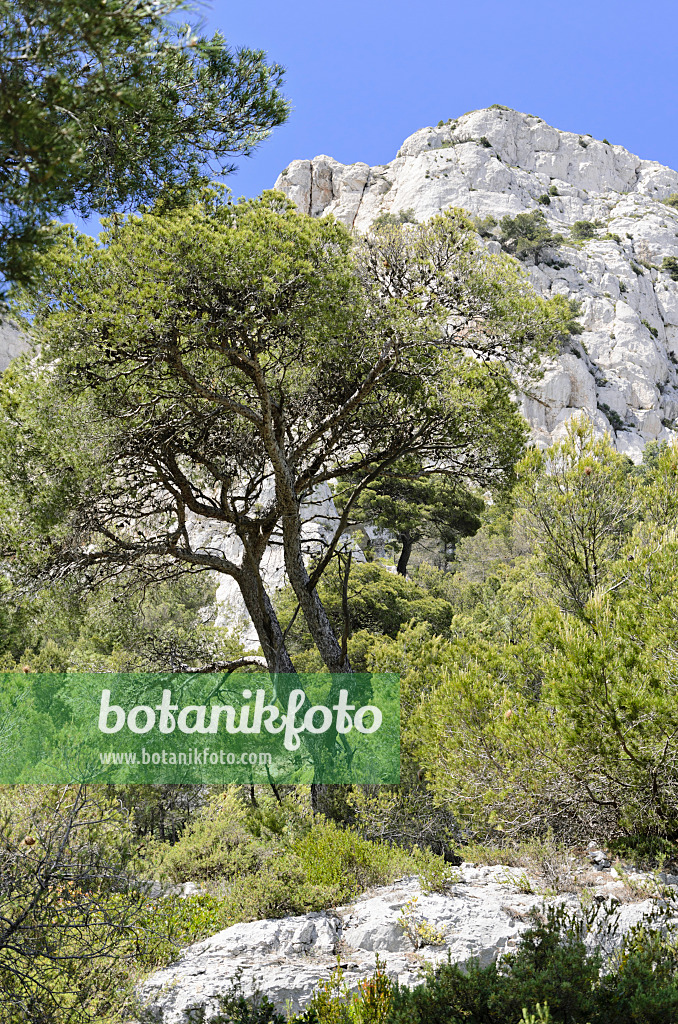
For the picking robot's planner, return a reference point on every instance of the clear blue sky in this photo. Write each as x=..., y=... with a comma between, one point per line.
x=362, y=75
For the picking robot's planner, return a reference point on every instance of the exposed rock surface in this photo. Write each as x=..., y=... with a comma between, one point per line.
x=622, y=371
x=483, y=916
x=11, y=344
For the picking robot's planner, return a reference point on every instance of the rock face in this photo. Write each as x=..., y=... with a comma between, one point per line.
x=621, y=373
x=482, y=917
x=11, y=344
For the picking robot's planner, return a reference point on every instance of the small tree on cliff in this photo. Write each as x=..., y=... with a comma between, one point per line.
x=206, y=369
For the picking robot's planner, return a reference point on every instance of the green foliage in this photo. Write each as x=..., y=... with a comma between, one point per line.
x=485, y=225
x=583, y=230
x=616, y=422
x=412, y=503
x=68, y=905
x=111, y=107
x=270, y=859
x=527, y=235
x=379, y=602
x=671, y=200
x=215, y=844
x=670, y=267
x=333, y=1003
x=579, y=505
x=395, y=219
x=544, y=199
x=162, y=625
x=571, y=722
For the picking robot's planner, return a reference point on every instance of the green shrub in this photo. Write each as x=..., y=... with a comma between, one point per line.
x=216, y=844
x=671, y=200
x=553, y=191
x=583, y=229
x=337, y=857
x=670, y=265
x=395, y=219
x=484, y=226
x=544, y=199
x=378, y=600
x=616, y=422
x=527, y=234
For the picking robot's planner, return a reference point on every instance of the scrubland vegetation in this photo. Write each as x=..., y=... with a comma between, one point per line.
x=538, y=672
x=202, y=369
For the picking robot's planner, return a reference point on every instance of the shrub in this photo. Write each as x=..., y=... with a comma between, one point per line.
x=527, y=234
x=671, y=200
x=395, y=219
x=583, y=229
x=337, y=857
x=216, y=844
x=484, y=226
x=544, y=199
x=616, y=422
x=670, y=264
x=378, y=601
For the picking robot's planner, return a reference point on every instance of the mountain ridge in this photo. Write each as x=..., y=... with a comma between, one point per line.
x=622, y=371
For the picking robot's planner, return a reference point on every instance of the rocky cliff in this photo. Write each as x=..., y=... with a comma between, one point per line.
x=622, y=371
x=11, y=344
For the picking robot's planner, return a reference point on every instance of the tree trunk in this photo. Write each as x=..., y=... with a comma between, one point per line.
x=265, y=621
x=311, y=606
x=407, y=541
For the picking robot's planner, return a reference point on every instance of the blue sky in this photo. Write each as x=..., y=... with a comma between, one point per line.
x=362, y=75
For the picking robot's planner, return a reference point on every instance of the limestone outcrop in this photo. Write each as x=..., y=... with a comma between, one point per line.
x=481, y=916
x=622, y=371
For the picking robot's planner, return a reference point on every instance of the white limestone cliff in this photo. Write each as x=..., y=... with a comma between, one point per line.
x=622, y=371
x=11, y=344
